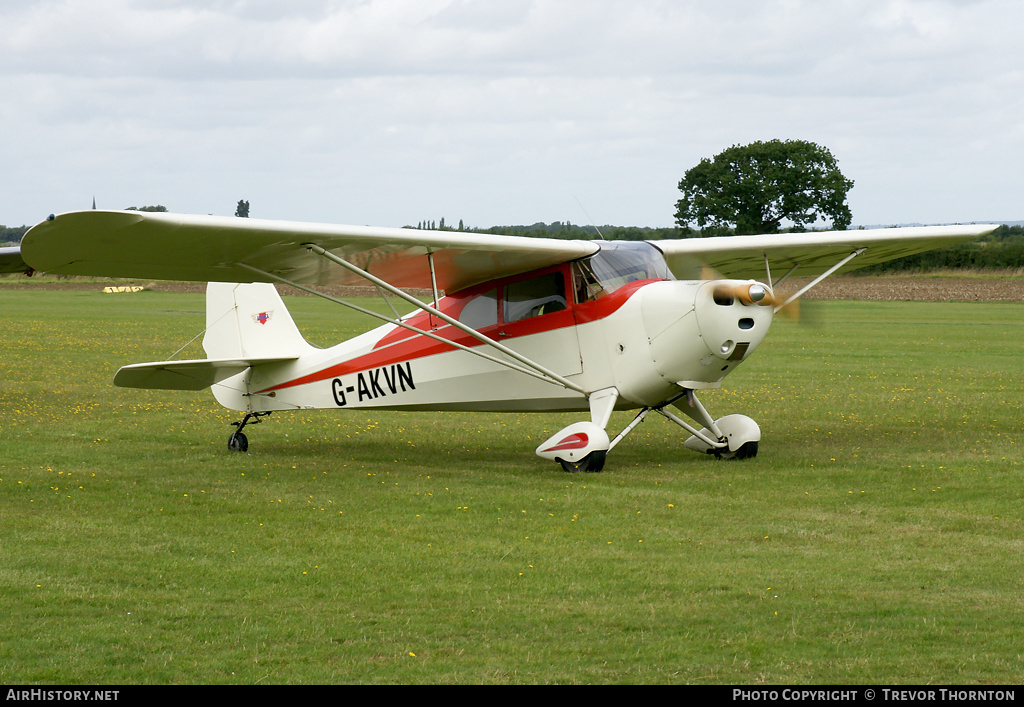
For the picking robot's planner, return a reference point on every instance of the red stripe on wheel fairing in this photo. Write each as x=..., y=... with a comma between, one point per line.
x=576, y=441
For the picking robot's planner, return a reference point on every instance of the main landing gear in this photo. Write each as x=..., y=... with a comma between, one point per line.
x=747, y=450
x=238, y=442
x=584, y=446
x=593, y=462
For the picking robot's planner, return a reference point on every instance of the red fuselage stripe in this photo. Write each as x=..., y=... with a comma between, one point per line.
x=414, y=346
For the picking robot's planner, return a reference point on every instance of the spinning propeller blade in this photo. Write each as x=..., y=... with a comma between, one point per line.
x=753, y=293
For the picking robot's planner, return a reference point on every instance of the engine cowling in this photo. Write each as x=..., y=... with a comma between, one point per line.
x=714, y=333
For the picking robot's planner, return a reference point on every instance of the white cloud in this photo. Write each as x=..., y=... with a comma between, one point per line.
x=398, y=110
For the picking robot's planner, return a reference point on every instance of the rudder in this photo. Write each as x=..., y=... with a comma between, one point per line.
x=249, y=321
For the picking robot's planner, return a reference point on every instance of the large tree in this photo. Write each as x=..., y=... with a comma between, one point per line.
x=755, y=188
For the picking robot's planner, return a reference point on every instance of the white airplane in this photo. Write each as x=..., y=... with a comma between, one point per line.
x=525, y=324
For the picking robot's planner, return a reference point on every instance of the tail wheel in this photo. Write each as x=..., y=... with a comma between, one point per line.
x=593, y=462
x=238, y=442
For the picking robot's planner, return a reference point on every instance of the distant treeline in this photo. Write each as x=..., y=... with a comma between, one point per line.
x=564, y=230
x=587, y=233
x=1001, y=249
x=12, y=234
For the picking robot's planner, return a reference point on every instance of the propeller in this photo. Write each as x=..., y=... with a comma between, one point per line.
x=752, y=293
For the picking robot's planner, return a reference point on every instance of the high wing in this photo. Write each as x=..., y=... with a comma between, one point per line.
x=806, y=254
x=164, y=246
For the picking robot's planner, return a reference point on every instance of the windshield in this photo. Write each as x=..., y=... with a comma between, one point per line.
x=620, y=262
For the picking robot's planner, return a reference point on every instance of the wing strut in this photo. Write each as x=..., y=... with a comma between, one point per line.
x=433, y=278
x=784, y=277
x=818, y=279
x=529, y=367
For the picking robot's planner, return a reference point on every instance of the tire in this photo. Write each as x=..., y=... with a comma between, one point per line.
x=592, y=463
x=748, y=450
x=238, y=442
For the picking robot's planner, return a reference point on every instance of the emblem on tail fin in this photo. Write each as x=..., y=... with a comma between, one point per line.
x=262, y=317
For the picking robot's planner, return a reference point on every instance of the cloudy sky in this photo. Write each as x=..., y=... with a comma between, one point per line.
x=389, y=112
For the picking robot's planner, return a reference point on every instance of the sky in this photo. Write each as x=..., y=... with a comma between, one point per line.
x=501, y=112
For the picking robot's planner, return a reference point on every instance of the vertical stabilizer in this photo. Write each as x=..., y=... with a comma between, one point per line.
x=249, y=321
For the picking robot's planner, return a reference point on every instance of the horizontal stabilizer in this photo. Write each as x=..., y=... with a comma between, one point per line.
x=187, y=375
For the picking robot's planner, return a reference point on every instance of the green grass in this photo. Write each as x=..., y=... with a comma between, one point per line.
x=877, y=538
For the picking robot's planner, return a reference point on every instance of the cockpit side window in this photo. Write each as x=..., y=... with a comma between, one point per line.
x=481, y=311
x=585, y=282
x=534, y=297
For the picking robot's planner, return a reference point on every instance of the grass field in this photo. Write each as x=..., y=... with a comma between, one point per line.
x=877, y=538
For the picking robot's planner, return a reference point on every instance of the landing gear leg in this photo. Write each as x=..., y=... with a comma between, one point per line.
x=583, y=446
x=238, y=442
x=729, y=437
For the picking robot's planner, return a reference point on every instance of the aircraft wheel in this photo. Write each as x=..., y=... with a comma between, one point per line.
x=238, y=442
x=748, y=450
x=593, y=463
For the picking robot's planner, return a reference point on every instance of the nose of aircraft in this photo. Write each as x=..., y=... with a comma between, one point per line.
x=700, y=331
x=733, y=316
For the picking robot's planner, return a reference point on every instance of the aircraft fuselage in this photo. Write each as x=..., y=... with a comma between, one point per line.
x=628, y=326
